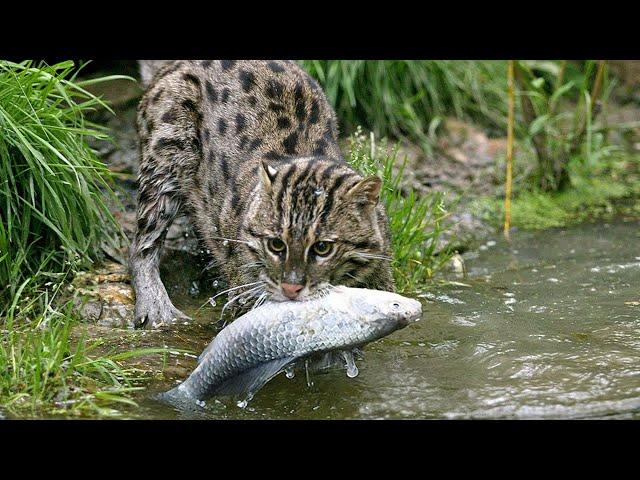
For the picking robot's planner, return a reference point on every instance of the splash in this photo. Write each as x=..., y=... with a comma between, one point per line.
x=245, y=402
x=289, y=372
x=352, y=369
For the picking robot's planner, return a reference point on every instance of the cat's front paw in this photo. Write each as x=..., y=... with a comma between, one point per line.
x=156, y=314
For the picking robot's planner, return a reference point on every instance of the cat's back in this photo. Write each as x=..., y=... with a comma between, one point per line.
x=242, y=109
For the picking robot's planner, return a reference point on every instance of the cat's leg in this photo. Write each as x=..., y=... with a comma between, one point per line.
x=154, y=217
x=170, y=147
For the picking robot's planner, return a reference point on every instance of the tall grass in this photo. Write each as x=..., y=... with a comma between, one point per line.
x=52, y=186
x=407, y=98
x=559, y=105
x=53, y=219
x=416, y=222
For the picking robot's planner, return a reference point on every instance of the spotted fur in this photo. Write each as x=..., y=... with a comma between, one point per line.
x=249, y=150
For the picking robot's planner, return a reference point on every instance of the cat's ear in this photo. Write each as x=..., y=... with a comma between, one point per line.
x=267, y=175
x=366, y=191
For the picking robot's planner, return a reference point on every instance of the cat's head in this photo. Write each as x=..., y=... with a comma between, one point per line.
x=314, y=223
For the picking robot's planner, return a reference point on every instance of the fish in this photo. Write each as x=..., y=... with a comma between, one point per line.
x=275, y=336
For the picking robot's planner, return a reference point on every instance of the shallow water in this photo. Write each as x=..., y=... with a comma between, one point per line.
x=547, y=327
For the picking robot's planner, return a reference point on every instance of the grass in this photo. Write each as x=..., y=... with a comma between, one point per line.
x=53, y=187
x=408, y=98
x=53, y=221
x=557, y=114
x=416, y=222
x=42, y=372
x=610, y=187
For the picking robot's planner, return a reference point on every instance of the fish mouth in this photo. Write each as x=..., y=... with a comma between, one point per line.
x=411, y=316
x=406, y=320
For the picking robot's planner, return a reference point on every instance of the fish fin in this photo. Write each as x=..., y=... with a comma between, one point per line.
x=254, y=379
x=182, y=401
x=178, y=397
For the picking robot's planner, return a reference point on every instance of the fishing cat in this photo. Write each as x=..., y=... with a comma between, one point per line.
x=249, y=150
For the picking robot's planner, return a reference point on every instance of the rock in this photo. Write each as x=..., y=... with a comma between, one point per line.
x=104, y=296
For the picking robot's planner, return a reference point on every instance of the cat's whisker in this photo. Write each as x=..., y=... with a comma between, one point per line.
x=249, y=293
x=252, y=265
x=236, y=288
x=373, y=256
x=225, y=239
x=210, y=265
x=260, y=300
x=211, y=300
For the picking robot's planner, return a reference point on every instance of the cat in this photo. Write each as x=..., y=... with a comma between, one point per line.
x=249, y=150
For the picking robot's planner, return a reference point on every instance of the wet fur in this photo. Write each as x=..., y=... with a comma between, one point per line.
x=248, y=149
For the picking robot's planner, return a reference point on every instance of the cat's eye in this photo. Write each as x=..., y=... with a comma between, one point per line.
x=322, y=248
x=276, y=245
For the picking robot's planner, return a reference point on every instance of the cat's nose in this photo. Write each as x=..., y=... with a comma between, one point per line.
x=291, y=290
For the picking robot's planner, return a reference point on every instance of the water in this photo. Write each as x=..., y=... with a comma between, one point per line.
x=352, y=368
x=547, y=327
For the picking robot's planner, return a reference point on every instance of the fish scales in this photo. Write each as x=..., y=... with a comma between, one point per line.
x=263, y=342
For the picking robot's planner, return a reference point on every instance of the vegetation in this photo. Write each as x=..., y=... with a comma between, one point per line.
x=562, y=151
x=578, y=173
x=42, y=368
x=408, y=98
x=559, y=134
x=53, y=219
x=416, y=222
x=610, y=188
x=53, y=187
x=54, y=191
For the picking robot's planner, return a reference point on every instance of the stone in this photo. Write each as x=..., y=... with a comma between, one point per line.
x=104, y=296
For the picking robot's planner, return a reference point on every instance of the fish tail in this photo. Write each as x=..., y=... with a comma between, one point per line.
x=178, y=397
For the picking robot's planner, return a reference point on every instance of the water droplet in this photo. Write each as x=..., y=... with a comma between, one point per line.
x=245, y=402
x=289, y=372
x=352, y=369
x=225, y=243
x=215, y=284
x=306, y=369
x=212, y=302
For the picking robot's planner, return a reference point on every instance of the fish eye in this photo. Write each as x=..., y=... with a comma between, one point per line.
x=322, y=248
x=276, y=245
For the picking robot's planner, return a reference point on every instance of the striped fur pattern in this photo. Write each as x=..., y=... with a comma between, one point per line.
x=248, y=149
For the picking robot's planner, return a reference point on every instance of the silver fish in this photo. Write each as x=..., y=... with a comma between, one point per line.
x=257, y=346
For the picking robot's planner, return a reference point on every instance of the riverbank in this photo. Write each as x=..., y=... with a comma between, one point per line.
x=461, y=160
